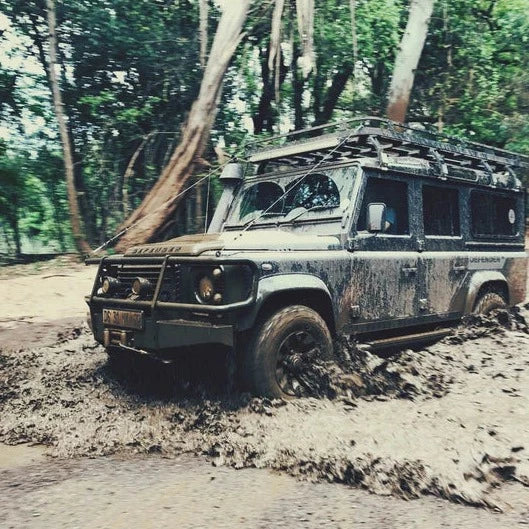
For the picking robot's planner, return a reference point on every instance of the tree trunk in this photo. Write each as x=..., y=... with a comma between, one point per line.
x=274, y=59
x=16, y=235
x=407, y=59
x=75, y=220
x=275, y=33
x=264, y=117
x=129, y=171
x=305, y=16
x=157, y=207
x=352, y=8
x=297, y=88
x=339, y=82
x=203, y=31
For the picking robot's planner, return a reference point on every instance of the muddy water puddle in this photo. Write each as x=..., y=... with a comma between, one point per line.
x=447, y=421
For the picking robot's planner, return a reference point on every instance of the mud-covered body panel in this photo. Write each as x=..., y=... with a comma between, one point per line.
x=367, y=291
x=430, y=267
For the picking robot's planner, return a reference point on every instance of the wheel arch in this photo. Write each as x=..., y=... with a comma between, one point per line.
x=486, y=281
x=276, y=292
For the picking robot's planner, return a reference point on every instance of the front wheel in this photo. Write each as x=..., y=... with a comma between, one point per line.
x=280, y=350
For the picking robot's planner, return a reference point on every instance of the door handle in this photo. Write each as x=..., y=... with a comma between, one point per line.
x=409, y=270
x=459, y=268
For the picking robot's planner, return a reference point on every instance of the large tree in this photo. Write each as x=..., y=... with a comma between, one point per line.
x=407, y=59
x=160, y=203
x=75, y=217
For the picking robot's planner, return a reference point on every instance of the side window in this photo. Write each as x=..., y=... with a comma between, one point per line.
x=492, y=215
x=440, y=209
x=395, y=195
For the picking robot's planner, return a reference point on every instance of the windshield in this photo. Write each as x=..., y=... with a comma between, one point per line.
x=286, y=198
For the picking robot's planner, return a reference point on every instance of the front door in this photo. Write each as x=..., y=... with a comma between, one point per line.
x=385, y=265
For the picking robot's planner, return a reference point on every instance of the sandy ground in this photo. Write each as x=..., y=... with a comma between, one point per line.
x=187, y=492
x=39, y=301
x=448, y=421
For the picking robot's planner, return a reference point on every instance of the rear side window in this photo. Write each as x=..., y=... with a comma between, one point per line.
x=440, y=209
x=395, y=195
x=493, y=215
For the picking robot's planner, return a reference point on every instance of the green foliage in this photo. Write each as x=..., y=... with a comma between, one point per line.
x=33, y=200
x=473, y=76
x=130, y=70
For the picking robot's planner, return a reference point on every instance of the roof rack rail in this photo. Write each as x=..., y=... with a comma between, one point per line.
x=373, y=137
x=380, y=123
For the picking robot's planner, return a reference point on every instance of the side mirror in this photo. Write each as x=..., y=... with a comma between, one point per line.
x=376, y=217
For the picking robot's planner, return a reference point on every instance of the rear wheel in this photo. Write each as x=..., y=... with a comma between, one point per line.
x=281, y=347
x=489, y=301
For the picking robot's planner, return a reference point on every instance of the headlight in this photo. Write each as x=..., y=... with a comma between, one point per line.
x=141, y=286
x=109, y=285
x=209, y=287
x=206, y=289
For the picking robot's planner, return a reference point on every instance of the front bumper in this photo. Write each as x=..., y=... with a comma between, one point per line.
x=163, y=335
x=168, y=325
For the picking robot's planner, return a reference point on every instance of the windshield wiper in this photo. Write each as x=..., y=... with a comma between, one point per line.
x=313, y=208
x=254, y=220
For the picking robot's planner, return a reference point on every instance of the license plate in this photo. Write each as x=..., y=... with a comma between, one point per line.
x=129, y=319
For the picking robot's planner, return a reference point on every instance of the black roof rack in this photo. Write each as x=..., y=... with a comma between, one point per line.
x=392, y=144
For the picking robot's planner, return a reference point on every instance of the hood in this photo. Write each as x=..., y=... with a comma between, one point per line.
x=256, y=240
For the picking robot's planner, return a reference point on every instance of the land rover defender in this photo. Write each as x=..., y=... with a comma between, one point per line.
x=364, y=228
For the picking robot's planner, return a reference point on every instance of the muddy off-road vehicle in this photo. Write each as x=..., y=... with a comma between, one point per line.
x=366, y=228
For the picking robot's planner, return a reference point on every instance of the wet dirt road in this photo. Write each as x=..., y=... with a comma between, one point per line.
x=453, y=433
x=188, y=492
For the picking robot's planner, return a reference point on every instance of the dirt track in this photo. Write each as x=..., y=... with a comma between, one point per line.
x=40, y=301
x=187, y=492
x=450, y=421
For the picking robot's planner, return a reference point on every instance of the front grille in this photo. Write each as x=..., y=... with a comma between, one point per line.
x=126, y=273
x=171, y=287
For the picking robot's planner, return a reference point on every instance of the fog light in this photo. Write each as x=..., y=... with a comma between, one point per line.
x=217, y=272
x=109, y=285
x=141, y=286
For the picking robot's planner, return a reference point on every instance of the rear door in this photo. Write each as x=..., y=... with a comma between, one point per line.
x=385, y=268
x=444, y=261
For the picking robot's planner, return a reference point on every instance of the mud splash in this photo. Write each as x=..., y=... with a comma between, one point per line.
x=449, y=420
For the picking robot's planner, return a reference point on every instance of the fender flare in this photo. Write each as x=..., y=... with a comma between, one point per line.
x=477, y=281
x=281, y=283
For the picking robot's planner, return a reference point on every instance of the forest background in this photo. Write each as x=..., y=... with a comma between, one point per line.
x=103, y=102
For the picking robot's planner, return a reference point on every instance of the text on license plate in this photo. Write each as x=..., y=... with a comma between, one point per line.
x=130, y=319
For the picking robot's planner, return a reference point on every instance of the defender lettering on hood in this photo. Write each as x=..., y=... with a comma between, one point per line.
x=261, y=240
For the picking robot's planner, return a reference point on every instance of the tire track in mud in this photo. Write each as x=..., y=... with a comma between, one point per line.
x=449, y=420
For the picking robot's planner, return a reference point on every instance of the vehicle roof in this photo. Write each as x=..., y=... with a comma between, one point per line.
x=387, y=144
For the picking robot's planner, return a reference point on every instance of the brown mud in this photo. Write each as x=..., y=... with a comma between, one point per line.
x=449, y=420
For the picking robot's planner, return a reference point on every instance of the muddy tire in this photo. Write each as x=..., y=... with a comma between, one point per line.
x=279, y=347
x=488, y=302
